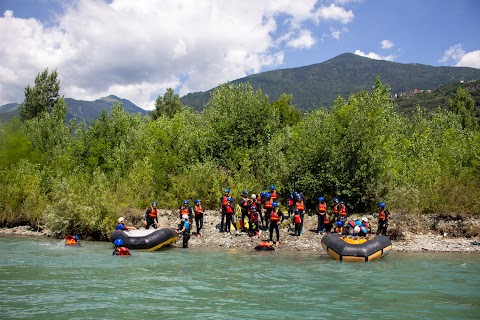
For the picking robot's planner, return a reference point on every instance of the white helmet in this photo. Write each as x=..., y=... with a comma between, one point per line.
x=185, y=216
x=356, y=229
x=121, y=219
x=365, y=219
x=254, y=196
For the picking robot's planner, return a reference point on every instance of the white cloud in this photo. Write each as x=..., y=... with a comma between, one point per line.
x=376, y=56
x=454, y=53
x=470, y=59
x=387, y=44
x=337, y=34
x=137, y=49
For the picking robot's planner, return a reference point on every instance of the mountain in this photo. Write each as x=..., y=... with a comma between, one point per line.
x=79, y=109
x=318, y=85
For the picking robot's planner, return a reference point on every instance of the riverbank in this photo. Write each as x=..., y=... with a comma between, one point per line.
x=308, y=241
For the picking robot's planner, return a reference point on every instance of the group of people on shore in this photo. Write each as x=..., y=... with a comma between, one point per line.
x=262, y=212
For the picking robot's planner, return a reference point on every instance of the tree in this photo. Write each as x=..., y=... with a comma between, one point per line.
x=42, y=97
x=464, y=105
x=289, y=116
x=168, y=105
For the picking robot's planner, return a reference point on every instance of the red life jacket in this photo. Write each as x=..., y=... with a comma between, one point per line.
x=224, y=201
x=274, y=217
x=343, y=210
x=184, y=211
x=290, y=202
x=381, y=215
x=268, y=204
x=352, y=223
x=322, y=207
x=228, y=209
x=297, y=219
x=198, y=210
x=273, y=195
x=123, y=251
x=326, y=220
x=153, y=213
x=335, y=209
x=300, y=206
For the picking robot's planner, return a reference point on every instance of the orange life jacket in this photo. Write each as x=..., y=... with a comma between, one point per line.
x=268, y=204
x=224, y=201
x=198, y=210
x=297, y=219
x=70, y=241
x=245, y=202
x=183, y=211
x=343, y=210
x=274, y=217
x=322, y=207
x=335, y=209
x=153, y=213
x=273, y=196
x=338, y=229
x=381, y=215
x=326, y=220
x=300, y=206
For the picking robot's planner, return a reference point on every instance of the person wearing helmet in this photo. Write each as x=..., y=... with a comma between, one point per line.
x=276, y=219
x=151, y=216
x=185, y=230
x=356, y=231
x=253, y=217
x=321, y=210
x=300, y=207
x=336, y=208
x=290, y=206
x=244, y=205
x=383, y=217
x=198, y=210
x=268, y=207
x=186, y=209
x=298, y=222
x=338, y=227
x=223, y=207
x=273, y=193
x=121, y=225
x=366, y=225
x=119, y=249
x=230, y=215
x=342, y=211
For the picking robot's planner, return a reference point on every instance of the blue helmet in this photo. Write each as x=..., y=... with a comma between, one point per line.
x=263, y=194
x=291, y=196
x=335, y=199
x=227, y=190
x=364, y=230
x=358, y=222
x=197, y=201
x=381, y=205
x=321, y=199
x=339, y=223
x=186, y=202
x=154, y=203
x=230, y=199
x=118, y=242
x=245, y=192
x=268, y=195
x=275, y=204
x=300, y=196
x=272, y=187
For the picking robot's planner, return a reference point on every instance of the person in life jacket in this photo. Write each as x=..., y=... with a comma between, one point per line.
x=327, y=223
x=321, y=210
x=121, y=225
x=290, y=206
x=336, y=208
x=273, y=193
x=223, y=207
x=268, y=207
x=342, y=211
x=198, y=213
x=230, y=215
x=253, y=217
x=300, y=207
x=244, y=205
x=119, y=249
x=366, y=225
x=186, y=209
x=297, y=221
x=185, y=230
x=338, y=227
x=151, y=217
x=276, y=219
x=71, y=240
x=383, y=216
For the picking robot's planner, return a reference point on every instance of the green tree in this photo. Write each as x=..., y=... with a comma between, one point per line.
x=289, y=116
x=168, y=105
x=464, y=105
x=42, y=97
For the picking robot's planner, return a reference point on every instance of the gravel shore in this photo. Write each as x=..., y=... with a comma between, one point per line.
x=308, y=241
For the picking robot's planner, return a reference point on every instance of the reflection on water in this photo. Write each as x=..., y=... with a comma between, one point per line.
x=42, y=279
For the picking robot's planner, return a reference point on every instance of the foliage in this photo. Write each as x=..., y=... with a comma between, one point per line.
x=42, y=97
x=168, y=105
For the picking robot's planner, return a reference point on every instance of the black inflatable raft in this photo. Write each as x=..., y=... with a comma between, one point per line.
x=145, y=239
x=356, y=249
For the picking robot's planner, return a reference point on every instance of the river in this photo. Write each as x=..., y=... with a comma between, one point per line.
x=43, y=279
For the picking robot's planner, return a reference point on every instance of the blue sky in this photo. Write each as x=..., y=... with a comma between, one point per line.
x=138, y=49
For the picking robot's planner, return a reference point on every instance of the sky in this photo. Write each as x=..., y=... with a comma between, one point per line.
x=137, y=49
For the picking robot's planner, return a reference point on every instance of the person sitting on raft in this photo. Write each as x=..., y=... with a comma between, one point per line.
x=338, y=227
x=121, y=225
x=276, y=219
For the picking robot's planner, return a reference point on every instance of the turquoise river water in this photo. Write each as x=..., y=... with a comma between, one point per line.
x=42, y=279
